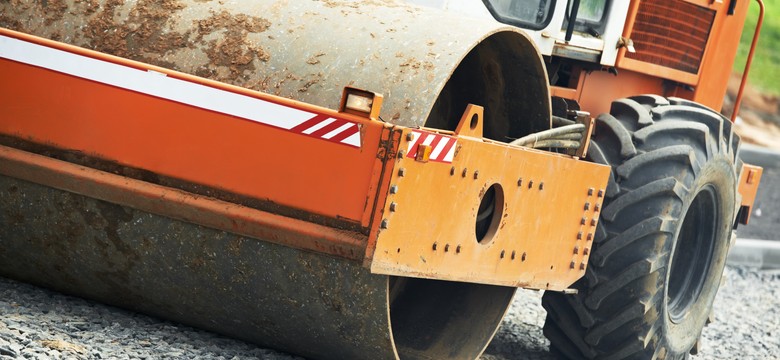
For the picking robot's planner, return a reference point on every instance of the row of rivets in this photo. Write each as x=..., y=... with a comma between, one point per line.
x=530, y=183
x=446, y=247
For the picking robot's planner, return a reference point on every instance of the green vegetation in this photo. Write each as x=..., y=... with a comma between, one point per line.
x=765, y=73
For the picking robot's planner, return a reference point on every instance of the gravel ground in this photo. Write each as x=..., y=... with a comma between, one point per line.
x=40, y=324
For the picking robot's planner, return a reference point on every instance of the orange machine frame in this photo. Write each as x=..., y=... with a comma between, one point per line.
x=597, y=89
x=379, y=199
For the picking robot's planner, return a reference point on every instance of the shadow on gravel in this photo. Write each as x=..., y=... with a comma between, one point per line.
x=520, y=336
x=518, y=341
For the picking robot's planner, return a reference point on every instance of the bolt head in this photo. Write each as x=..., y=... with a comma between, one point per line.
x=409, y=137
x=384, y=223
x=401, y=172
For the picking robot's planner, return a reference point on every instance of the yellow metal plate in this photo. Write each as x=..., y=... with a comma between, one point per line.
x=548, y=208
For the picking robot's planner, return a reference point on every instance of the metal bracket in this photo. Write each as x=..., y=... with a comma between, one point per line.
x=470, y=123
x=748, y=187
x=583, y=117
x=626, y=43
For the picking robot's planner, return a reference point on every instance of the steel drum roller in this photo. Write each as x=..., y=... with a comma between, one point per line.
x=429, y=65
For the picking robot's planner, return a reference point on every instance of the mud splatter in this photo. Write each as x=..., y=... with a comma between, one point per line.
x=314, y=80
x=145, y=35
x=232, y=55
x=314, y=60
x=333, y=4
x=53, y=10
x=11, y=23
x=235, y=23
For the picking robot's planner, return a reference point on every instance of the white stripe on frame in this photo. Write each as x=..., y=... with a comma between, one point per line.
x=153, y=83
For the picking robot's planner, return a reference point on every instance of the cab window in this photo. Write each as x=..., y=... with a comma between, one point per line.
x=529, y=14
x=591, y=17
x=591, y=10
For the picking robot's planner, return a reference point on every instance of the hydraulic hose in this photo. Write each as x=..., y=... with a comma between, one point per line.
x=532, y=139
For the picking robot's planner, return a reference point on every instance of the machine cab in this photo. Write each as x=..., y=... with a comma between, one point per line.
x=592, y=37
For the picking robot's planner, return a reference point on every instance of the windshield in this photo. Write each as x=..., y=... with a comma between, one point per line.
x=591, y=17
x=530, y=14
x=590, y=10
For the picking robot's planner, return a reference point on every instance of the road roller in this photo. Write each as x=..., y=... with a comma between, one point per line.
x=374, y=180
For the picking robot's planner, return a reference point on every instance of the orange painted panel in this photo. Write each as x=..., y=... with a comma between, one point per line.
x=710, y=82
x=180, y=205
x=600, y=88
x=303, y=171
x=544, y=224
x=717, y=64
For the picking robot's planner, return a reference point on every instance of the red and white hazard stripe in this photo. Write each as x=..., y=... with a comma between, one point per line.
x=332, y=129
x=198, y=95
x=443, y=146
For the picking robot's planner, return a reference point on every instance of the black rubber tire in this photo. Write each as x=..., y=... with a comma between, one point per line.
x=663, y=235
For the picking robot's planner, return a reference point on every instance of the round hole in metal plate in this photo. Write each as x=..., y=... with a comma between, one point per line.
x=489, y=213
